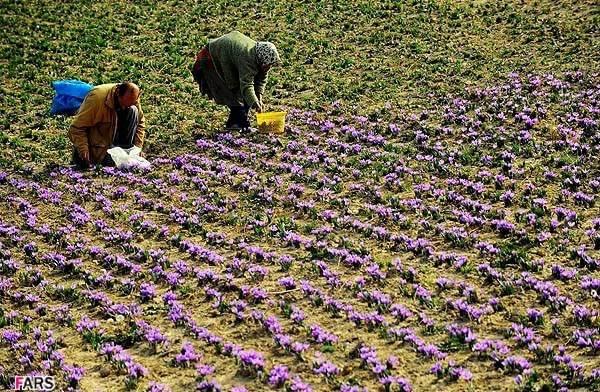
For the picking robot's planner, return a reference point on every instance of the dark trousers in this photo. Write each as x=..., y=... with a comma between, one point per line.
x=127, y=123
x=238, y=115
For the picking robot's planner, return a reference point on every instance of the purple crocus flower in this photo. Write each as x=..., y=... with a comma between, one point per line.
x=208, y=386
x=325, y=368
x=516, y=364
x=563, y=273
x=503, y=226
x=460, y=373
x=11, y=336
x=524, y=335
x=86, y=324
x=287, y=282
x=285, y=262
x=297, y=385
x=438, y=369
x=187, y=355
x=583, y=315
x=154, y=336
x=110, y=350
x=400, y=312
x=535, y=316
x=147, y=291
x=463, y=333
x=322, y=336
x=154, y=386
x=204, y=370
x=74, y=374
x=135, y=370
x=251, y=359
x=278, y=375
x=395, y=383
x=345, y=387
x=298, y=348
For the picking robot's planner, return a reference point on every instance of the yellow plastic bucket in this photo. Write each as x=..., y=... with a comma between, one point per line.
x=271, y=122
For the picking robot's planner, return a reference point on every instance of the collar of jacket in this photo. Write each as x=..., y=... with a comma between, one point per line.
x=110, y=97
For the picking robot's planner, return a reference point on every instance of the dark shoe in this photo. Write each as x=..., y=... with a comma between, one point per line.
x=232, y=127
x=231, y=120
x=108, y=161
x=243, y=121
x=238, y=115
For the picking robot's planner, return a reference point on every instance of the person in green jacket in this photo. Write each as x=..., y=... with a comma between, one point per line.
x=232, y=70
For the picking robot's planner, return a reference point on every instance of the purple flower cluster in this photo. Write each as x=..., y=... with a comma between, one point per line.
x=278, y=376
x=319, y=335
x=462, y=334
x=251, y=360
x=121, y=358
x=325, y=368
x=187, y=355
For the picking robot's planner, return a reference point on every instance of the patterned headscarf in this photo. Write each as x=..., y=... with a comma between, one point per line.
x=266, y=53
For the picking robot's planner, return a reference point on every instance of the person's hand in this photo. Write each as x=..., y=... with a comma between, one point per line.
x=259, y=104
x=85, y=156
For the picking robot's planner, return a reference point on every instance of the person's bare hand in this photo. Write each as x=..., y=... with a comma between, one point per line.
x=258, y=105
x=85, y=156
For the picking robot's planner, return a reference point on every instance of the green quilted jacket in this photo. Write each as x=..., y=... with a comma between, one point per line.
x=234, y=57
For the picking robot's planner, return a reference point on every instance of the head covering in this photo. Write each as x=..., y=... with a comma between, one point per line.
x=266, y=53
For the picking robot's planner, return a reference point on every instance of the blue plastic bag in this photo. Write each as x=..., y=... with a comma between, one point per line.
x=69, y=94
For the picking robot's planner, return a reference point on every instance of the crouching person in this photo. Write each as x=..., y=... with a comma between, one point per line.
x=110, y=116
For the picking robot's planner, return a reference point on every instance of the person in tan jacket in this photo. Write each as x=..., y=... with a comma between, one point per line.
x=109, y=116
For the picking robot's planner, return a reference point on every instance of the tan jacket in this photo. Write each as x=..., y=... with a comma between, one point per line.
x=94, y=126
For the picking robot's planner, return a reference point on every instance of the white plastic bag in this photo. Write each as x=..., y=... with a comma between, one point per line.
x=128, y=158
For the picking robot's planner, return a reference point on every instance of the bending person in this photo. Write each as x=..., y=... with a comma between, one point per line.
x=232, y=70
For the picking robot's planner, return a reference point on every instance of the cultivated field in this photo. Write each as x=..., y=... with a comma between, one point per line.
x=430, y=220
